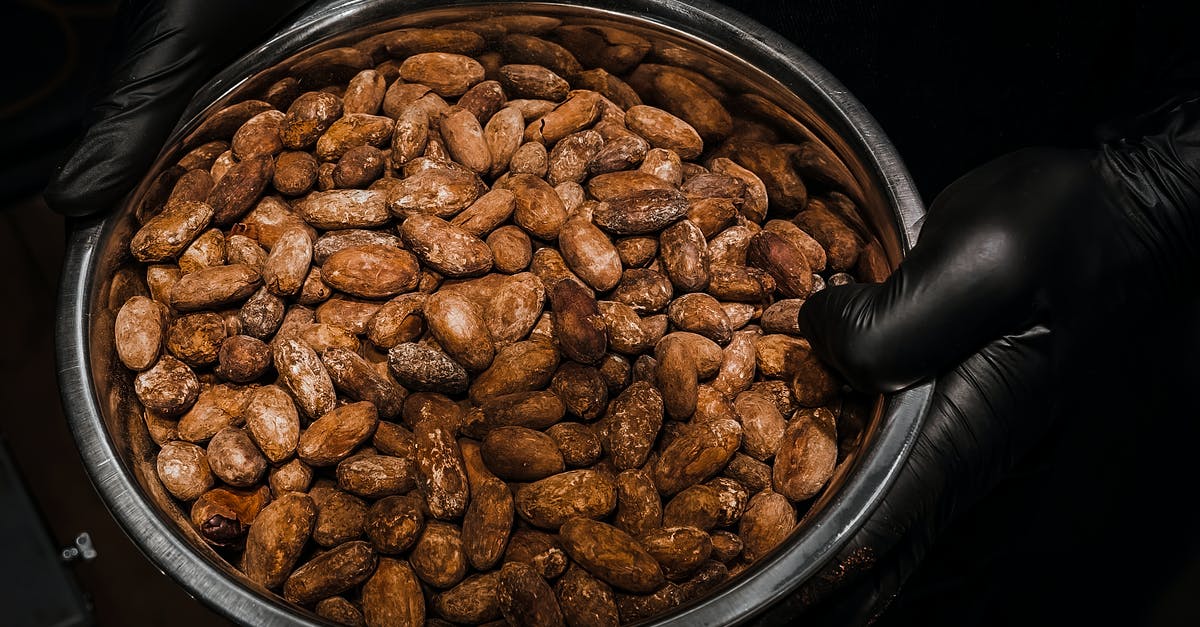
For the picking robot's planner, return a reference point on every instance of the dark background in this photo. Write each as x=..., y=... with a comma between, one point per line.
x=1096, y=526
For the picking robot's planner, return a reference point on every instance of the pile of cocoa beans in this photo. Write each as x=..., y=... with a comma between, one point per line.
x=495, y=321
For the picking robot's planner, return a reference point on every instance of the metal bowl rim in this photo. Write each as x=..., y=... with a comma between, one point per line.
x=772, y=578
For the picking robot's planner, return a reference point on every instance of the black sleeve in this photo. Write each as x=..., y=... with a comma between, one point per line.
x=957, y=84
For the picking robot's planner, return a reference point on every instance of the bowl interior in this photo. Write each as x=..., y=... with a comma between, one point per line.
x=795, y=100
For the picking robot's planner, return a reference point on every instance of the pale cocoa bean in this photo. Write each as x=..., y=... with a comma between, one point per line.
x=169, y=387
x=184, y=470
x=701, y=313
x=442, y=190
x=529, y=158
x=357, y=379
x=139, y=332
x=483, y=100
x=739, y=364
x=768, y=521
x=503, y=133
x=578, y=112
x=581, y=388
x=273, y=422
x=233, y=195
x=552, y=501
x=569, y=159
x=348, y=315
x=303, y=374
x=329, y=573
x=333, y=241
x=392, y=596
x=351, y=131
x=397, y=321
x=590, y=254
x=332, y=437
x=486, y=213
x=441, y=475
x=376, y=476
x=512, y=251
x=293, y=476
x=276, y=538
x=526, y=599
x=206, y=251
x=487, y=523
x=364, y=93
x=269, y=219
x=259, y=136
x=635, y=417
x=807, y=454
x=167, y=234
x=465, y=140
x=538, y=209
x=762, y=424
x=447, y=74
x=459, y=327
x=394, y=523
x=446, y=248
x=664, y=130
x=371, y=271
x=309, y=115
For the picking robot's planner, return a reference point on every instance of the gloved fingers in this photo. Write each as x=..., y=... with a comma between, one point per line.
x=167, y=50
x=985, y=414
x=148, y=90
x=974, y=275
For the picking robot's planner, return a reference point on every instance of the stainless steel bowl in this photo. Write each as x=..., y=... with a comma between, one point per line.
x=106, y=419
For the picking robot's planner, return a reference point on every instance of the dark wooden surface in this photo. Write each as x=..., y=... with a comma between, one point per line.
x=124, y=588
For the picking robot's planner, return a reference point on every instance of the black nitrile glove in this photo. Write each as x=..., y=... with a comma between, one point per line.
x=166, y=49
x=1043, y=249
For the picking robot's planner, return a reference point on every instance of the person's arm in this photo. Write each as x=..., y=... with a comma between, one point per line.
x=165, y=49
x=1021, y=264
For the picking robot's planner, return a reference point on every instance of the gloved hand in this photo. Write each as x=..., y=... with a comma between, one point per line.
x=165, y=50
x=1042, y=249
